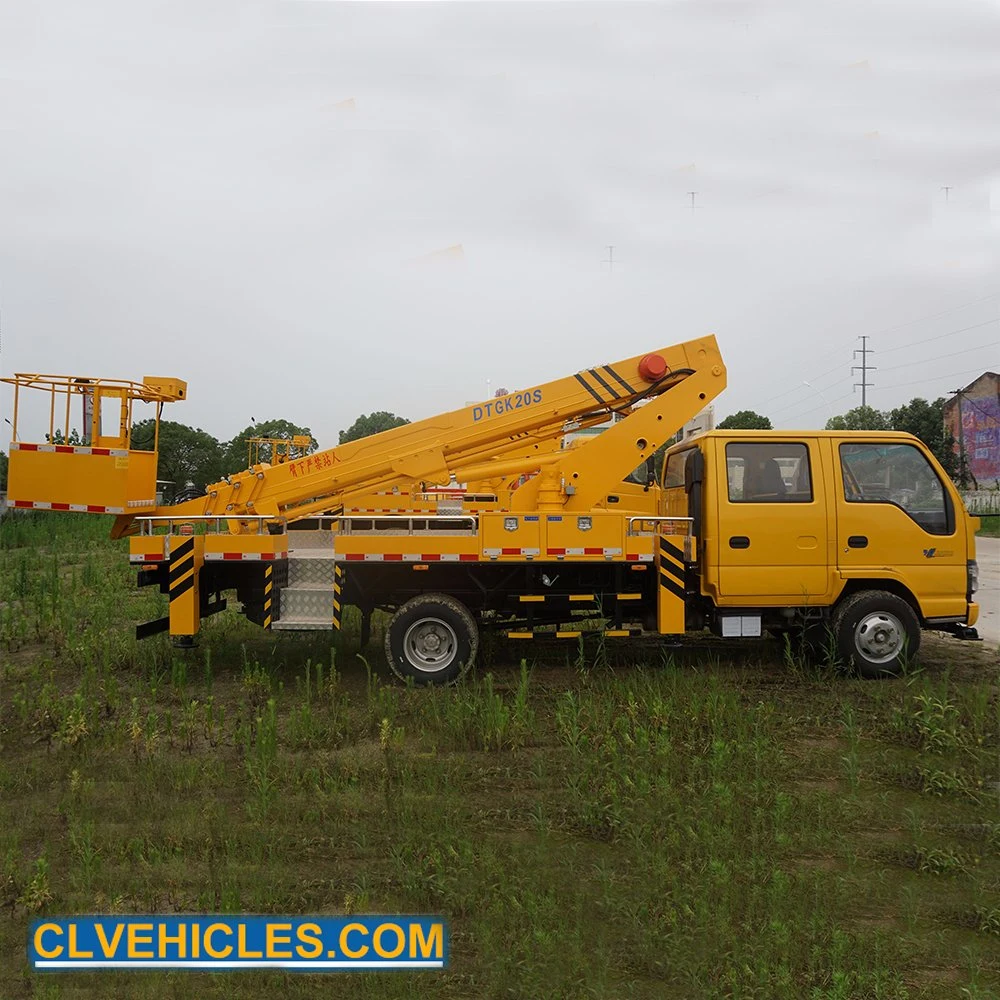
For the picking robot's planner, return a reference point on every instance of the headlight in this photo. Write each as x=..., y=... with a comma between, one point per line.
x=973, y=576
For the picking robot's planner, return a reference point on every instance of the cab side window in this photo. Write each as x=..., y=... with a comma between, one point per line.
x=897, y=474
x=771, y=472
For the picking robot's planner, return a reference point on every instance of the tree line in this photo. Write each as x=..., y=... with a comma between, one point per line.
x=190, y=457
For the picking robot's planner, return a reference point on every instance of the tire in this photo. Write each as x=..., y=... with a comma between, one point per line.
x=432, y=639
x=876, y=633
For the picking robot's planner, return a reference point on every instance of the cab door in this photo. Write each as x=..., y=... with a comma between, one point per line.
x=897, y=519
x=773, y=523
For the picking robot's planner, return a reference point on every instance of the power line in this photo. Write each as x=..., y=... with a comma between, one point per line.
x=940, y=357
x=812, y=378
x=921, y=319
x=847, y=395
x=934, y=378
x=827, y=402
x=888, y=329
x=894, y=385
x=950, y=333
x=799, y=402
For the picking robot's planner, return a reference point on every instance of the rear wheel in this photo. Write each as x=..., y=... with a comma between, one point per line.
x=432, y=638
x=876, y=633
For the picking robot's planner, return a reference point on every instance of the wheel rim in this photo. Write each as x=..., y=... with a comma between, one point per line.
x=430, y=645
x=879, y=637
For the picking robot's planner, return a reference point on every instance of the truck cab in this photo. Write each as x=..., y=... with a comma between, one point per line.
x=860, y=536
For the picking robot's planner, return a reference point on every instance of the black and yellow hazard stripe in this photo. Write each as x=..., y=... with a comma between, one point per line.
x=181, y=569
x=338, y=587
x=628, y=389
x=612, y=386
x=268, y=581
x=672, y=568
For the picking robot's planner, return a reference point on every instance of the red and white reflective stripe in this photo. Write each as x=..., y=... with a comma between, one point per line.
x=406, y=557
x=639, y=556
x=413, y=511
x=215, y=556
x=607, y=553
x=81, y=508
x=505, y=551
x=243, y=556
x=378, y=510
x=69, y=449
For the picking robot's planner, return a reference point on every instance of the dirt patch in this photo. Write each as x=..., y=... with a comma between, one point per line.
x=824, y=864
x=816, y=785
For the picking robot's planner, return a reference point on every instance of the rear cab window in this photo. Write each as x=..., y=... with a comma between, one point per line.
x=768, y=472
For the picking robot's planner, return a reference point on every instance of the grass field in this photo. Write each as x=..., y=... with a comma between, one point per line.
x=697, y=825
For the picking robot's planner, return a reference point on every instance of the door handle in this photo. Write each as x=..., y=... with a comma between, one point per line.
x=857, y=542
x=739, y=542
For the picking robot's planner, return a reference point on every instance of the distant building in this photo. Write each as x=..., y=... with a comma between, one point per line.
x=699, y=424
x=972, y=416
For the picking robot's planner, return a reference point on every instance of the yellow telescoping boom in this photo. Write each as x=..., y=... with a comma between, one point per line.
x=508, y=435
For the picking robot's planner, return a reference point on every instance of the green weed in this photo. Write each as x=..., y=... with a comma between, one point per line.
x=689, y=822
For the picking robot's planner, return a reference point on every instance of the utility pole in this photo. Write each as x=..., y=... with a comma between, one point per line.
x=692, y=194
x=611, y=259
x=864, y=368
x=947, y=191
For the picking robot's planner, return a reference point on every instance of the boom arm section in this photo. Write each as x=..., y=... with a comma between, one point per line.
x=585, y=475
x=507, y=433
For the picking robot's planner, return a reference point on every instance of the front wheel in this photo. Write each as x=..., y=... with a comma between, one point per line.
x=876, y=633
x=432, y=639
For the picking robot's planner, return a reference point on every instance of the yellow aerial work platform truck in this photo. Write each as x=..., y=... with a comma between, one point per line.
x=859, y=534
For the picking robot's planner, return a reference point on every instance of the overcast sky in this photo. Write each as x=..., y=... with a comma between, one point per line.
x=252, y=197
